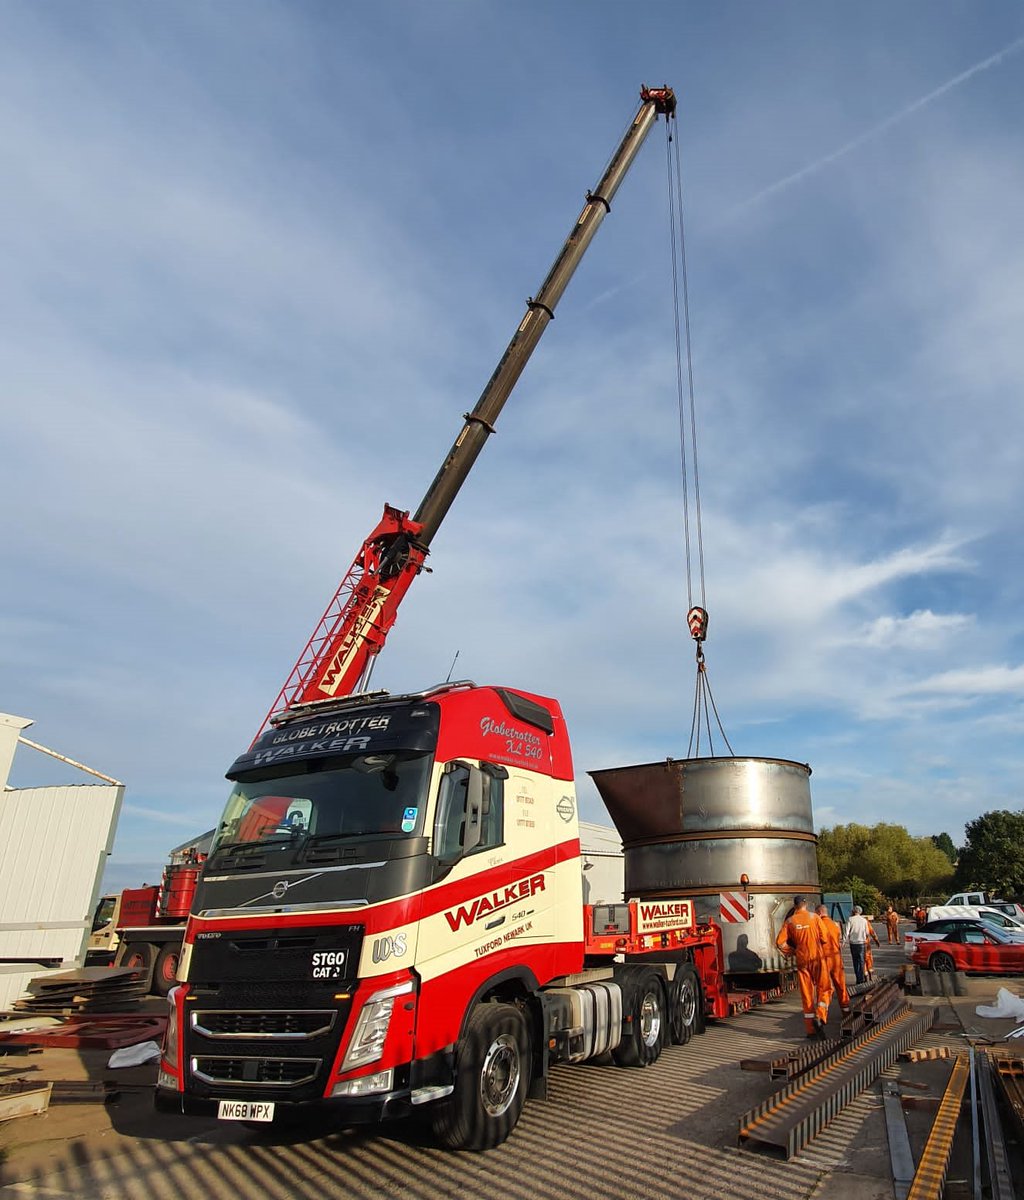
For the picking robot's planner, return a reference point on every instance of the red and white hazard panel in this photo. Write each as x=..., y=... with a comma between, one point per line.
x=734, y=907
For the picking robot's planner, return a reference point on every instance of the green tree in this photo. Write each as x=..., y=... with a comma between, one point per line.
x=885, y=857
x=993, y=859
x=868, y=897
x=943, y=842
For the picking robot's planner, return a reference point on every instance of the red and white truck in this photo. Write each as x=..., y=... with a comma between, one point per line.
x=392, y=915
x=143, y=927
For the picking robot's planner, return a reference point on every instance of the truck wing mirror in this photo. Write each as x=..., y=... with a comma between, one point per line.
x=477, y=796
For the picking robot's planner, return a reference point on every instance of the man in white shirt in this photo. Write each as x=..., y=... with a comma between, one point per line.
x=857, y=933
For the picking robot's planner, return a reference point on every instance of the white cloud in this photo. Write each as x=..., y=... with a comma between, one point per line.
x=921, y=630
x=971, y=682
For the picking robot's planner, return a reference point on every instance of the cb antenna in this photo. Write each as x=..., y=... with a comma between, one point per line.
x=452, y=667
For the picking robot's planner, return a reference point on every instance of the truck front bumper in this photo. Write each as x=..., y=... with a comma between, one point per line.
x=347, y=1110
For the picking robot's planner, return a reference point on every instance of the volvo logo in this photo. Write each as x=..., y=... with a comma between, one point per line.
x=279, y=889
x=565, y=808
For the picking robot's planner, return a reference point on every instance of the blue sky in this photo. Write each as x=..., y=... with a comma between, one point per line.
x=259, y=258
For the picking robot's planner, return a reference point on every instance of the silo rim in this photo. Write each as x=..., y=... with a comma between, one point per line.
x=724, y=758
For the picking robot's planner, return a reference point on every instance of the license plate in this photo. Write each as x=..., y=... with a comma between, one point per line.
x=245, y=1110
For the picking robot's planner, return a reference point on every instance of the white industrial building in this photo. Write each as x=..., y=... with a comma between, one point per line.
x=54, y=844
x=603, y=864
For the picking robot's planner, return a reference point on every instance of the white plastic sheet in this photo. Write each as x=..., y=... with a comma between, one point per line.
x=135, y=1056
x=1007, y=1006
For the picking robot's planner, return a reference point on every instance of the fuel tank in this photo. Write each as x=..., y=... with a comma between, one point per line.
x=695, y=827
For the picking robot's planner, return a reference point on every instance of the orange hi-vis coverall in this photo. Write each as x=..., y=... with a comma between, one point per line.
x=869, y=962
x=833, y=937
x=801, y=937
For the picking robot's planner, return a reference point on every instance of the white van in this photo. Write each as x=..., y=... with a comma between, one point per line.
x=981, y=900
x=978, y=912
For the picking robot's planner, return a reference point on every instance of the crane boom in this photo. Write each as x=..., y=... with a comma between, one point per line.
x=335, y=661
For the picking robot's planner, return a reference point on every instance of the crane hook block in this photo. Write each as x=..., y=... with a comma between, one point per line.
x=697, y=619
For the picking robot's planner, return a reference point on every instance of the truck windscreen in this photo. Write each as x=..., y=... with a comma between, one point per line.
x=348, y=796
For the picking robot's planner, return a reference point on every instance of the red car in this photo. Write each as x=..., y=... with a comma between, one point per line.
x=987, y=951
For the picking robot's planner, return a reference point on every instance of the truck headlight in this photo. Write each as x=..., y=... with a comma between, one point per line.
x=170, y=1046
x=371, y=1031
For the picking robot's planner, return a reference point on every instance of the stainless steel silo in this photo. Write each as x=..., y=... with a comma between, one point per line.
x=695, y=827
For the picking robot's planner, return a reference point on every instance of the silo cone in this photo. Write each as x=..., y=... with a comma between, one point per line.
x=694, y=827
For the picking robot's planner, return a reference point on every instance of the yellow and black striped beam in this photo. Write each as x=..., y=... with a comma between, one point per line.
x=930, y=1175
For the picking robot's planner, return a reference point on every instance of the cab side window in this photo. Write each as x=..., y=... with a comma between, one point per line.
x=451, y=814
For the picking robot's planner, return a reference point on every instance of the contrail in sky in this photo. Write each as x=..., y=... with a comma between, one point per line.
x=875, y=130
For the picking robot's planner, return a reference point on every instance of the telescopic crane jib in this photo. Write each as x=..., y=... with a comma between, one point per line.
x=337, y=658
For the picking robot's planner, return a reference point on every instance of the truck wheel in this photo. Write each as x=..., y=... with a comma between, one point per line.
x=165, y=974
x=684, y=1005
x=140, y=956
x=492, y=1075
x=643, y=1000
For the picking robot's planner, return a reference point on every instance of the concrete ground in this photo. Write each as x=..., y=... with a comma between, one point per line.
x=606, y=1134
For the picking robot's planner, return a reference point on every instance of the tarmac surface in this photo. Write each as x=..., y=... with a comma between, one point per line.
x=668, y=1131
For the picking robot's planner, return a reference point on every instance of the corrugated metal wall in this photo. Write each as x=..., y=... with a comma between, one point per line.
x=604, y=865
x=54, y=843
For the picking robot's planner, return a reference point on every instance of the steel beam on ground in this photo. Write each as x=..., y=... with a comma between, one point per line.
x=972, y=1066
x=793, y=1062
x=900, y=1155
x=1000, y=1181
x=930, y=1176
x=791, y=1117
x=1010, y=1073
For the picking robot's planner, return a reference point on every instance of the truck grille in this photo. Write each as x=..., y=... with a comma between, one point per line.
x=269, y=1072
x=281, y=1024
x=268, y=958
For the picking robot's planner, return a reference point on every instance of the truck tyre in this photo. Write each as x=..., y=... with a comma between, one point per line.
x=643, y=1008
x=141, y=956
x=165, y=974
x=684, y=1004
x=492, y=1076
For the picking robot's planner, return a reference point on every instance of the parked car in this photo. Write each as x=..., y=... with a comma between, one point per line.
x=985, y=950
x=976, y=913
x=982, y=900
x=935, y=931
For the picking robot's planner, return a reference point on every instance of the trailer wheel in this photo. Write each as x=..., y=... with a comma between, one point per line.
x=492, y=1075
x=684, y=1005
x=165, y=974
x=643, y=1005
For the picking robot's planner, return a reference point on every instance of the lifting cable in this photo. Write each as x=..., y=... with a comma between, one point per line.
x=697, y=616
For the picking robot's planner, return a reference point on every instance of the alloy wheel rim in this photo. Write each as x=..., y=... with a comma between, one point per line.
x=499, y=1075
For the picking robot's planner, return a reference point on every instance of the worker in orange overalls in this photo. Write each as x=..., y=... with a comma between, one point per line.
x=802, y=937
x=869, y=962
x=892, y=925
x=834, y=957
